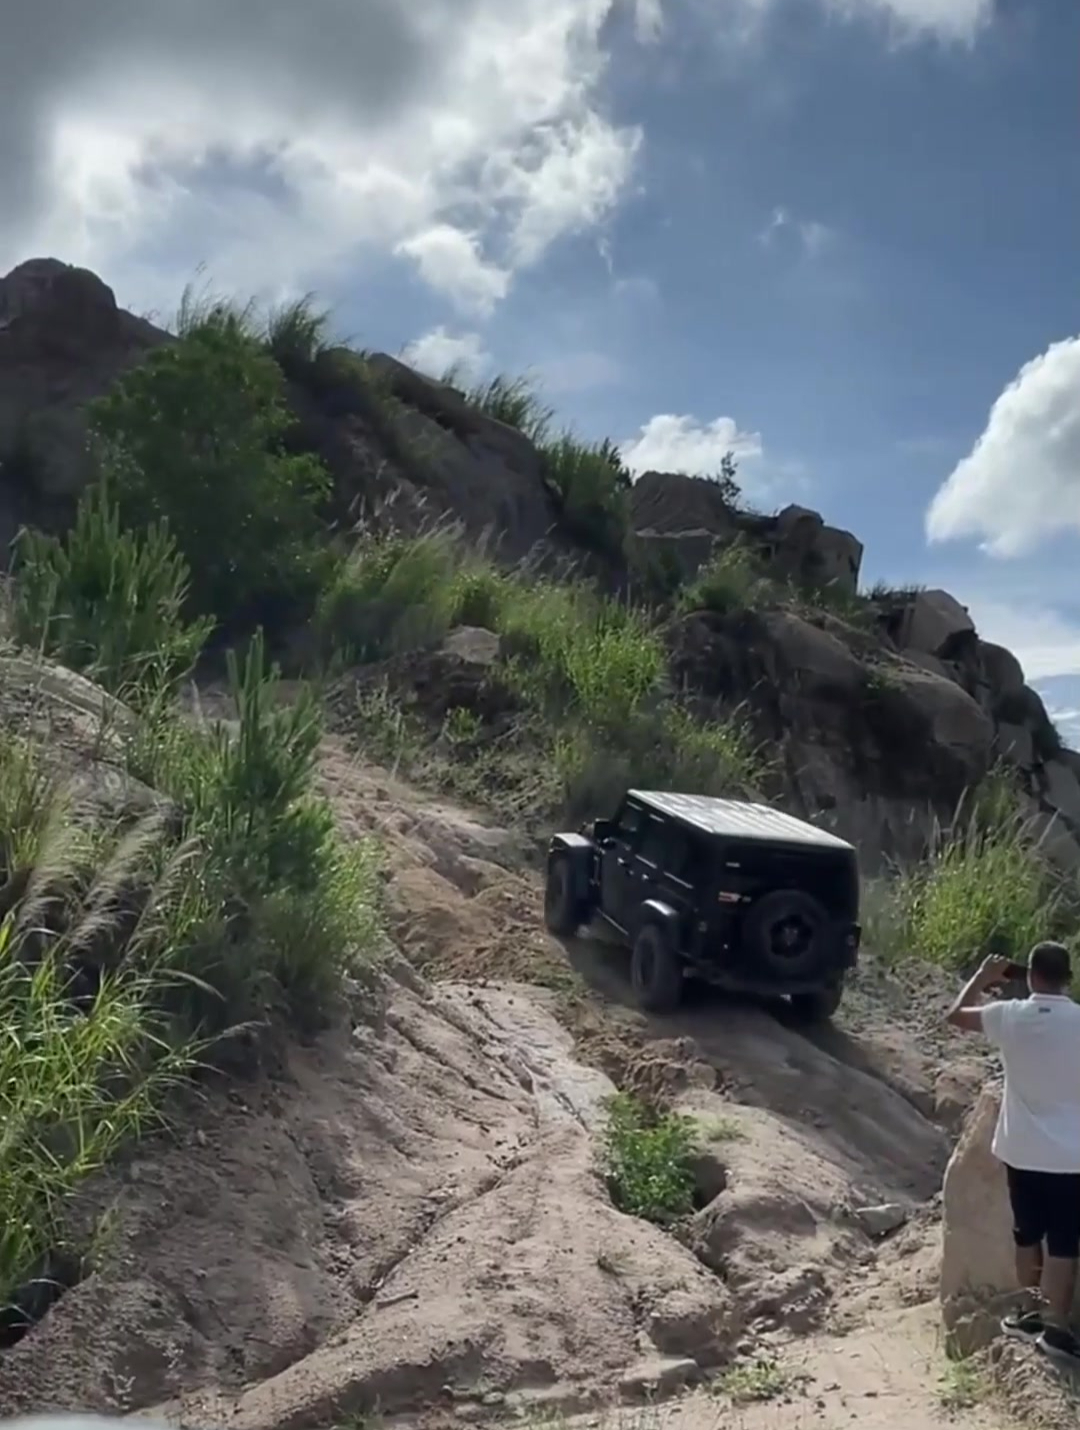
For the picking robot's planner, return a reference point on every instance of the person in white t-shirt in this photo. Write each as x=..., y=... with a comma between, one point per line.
x=1038, y=1134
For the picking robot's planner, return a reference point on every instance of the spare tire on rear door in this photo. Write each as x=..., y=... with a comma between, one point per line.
x=785, y=935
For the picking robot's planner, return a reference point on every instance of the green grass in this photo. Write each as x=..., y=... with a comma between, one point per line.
x=984, y=885
x=648, y=1160
x=107, y=601
x=512, y=400
x=961, y=1386
x=733, y=580
x=755, y=1382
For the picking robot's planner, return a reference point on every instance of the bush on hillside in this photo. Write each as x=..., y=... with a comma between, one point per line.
x=731, y=581
x=107, y=601
x=193, y=437
x=286, y=907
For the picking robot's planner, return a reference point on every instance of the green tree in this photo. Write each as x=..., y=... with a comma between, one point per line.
x=194, y=437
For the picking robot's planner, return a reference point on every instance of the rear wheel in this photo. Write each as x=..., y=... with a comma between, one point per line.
x=819, y=1006
x=656, y=970
x=562, y=909
x=785, y=935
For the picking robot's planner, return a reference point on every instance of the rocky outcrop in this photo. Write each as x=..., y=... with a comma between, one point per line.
x=689, y=517
x=63, y=341
x=878, y=753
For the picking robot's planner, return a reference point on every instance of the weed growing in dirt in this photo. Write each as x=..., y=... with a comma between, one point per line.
x=107, y=601
x=513, y=400
x=755, y=1382
x=648, y=1160
x=961, y=1386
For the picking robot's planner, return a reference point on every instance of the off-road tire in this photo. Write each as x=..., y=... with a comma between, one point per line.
x=785, y=936
x=656, y=970
x=562, y=908
x=819, y=1006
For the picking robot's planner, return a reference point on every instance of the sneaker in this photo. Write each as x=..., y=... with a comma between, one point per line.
x=1024, y=1325
x=1060, y=1345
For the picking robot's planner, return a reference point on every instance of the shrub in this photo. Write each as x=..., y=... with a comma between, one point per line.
x=731, y=581
x=107, y=601
x=592, y=484
x=392, y=593
x=666, y=748
x=193, y=437
x=648, y=1160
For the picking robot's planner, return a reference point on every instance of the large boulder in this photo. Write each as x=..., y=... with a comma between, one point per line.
x=63, y=341
x=800, y=547
x=671, y=504
x=978, y=1276
x=931, y=622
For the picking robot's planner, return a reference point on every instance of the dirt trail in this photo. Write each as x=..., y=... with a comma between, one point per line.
x=409, y=1215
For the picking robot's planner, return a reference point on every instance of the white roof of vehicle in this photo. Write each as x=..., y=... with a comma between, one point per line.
x=738, y=819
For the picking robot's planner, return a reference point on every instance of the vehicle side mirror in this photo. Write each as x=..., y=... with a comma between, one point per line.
x=603, y=830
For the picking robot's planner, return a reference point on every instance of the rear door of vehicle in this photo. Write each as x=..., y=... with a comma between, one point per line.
x=619, y=871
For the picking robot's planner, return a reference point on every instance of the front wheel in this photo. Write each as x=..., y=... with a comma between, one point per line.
x=656, y=971
x=562, y=911
x=819, y=1006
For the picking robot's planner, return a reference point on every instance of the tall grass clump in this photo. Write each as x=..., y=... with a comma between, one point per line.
x=392, y=593
x=289, y=906
x=985, y=885
x=107, y=601
x=194, y=438
x=593, y=485
x=731, y=581
x=90, y=1048
x=297, y=333
x=512, y=400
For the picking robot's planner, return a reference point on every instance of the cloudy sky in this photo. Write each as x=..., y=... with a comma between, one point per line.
x=838, y=236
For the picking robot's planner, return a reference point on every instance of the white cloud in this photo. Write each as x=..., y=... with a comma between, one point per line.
x=667, y=443
x=452, y=263
x=812, y=237
x=438, y=351
x=1044, y=640
x=143, y=137
x=1020, y=484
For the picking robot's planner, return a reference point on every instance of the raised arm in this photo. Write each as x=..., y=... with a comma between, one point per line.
x=967, y=1011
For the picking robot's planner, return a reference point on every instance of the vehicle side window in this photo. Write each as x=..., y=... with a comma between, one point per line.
x=630, y=822
x=680, y=854
x=654, y=843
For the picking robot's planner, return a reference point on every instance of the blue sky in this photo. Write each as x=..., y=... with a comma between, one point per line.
x=840, y=237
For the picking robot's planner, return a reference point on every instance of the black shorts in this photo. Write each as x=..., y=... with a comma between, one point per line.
x=1046, y=1208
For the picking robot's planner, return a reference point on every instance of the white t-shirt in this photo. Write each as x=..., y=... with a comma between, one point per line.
x=1038, y=1128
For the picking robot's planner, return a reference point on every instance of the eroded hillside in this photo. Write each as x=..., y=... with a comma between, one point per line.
x=301, y=920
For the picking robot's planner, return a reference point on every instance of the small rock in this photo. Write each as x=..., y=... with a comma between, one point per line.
x=883, y=1219
x=661, y=1376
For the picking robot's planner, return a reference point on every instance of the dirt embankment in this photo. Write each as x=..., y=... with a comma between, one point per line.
x=409, y=1217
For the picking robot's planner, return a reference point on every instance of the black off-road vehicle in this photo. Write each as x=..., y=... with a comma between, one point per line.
x=737, y=894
